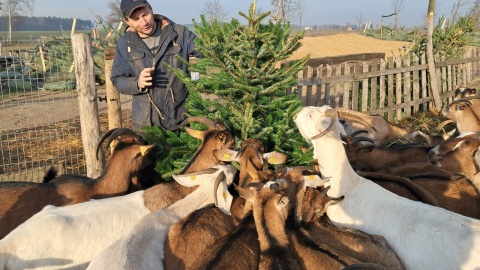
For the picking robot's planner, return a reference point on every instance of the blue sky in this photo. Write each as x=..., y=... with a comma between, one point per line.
x=319, y=12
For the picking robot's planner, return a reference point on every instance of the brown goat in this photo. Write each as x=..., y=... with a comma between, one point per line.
x=19, y=201
x=216, y=137
x=460, y=156
x=465, y=112
x=201, y=226
x=379, y=129
x=370, y=158
x=270, y=211
x=332, y=247
x=456, y=194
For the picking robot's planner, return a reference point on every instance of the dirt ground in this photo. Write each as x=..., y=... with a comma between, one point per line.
x=352, y=43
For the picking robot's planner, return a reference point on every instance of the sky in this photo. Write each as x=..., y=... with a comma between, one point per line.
x=319, y=12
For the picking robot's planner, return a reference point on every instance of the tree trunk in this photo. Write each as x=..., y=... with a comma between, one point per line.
x=434, y=90
x=9, y=26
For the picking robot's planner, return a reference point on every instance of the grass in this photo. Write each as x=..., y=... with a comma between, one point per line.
x=34, y=35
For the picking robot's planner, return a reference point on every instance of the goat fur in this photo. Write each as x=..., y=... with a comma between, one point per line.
x=419, y=233
x=142, y=246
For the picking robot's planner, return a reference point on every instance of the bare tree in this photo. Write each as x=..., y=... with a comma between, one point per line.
x=398, y=6
x=360, y=20
x=284, y=10
x=13, y=8
x=432, y=75
x=301, y=9
x=115, y=14
x=213, y=10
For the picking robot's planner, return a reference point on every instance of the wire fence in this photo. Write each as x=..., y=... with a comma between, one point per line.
x=39, y=115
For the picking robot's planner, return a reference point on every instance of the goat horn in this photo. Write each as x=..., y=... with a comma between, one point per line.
x=218, y=180
x=462, y=100
x=355, y=133
x=104, y=136
x=334, y=116
x=198, y=119
x=365, y=266
x=255, y=185
x=353, y=115
x=220, y=125
x=363, y=139
x=124, y=132
x=443, y=124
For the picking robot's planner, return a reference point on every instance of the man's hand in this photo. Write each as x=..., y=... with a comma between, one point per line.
x=145, y=78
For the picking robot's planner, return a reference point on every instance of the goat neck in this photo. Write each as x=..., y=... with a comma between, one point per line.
x=331, y=166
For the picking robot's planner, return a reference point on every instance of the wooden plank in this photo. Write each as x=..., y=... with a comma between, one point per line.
x=391, y=90
x=374, y=87
x=407, y=87
x=355, y=91
x=300, y=89
x=398, y=88
x=308, y=89
x=114, y=109
x=443, y=77
x=335, y=102
x=320, y=88
x=424, y=85
x=382, y=88
x=346, y=88
x=328, y=86
x=365, y=94
x=416, y=84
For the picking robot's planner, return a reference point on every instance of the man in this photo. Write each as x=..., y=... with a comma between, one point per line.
x=139, y=70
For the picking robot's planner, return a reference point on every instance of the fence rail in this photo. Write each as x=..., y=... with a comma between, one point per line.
x=40, y=126
x=397, y=86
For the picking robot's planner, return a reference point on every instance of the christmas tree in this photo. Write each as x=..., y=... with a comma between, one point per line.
x=241, y=69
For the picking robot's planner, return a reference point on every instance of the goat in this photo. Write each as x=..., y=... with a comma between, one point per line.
x=379, y=129
x=253, y=162
x=465, y=113
x=142, y=246
x=464, y=92
x=207, y=225
x=459, y=156
x=19, y=201
x=343, y=247
x=370, y=158
x=456, y=194
x=270, y=211
x=467, y=93
x=417, y=232
x=121, y=213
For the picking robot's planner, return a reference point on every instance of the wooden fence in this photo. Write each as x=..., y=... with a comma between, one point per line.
x=395, y=87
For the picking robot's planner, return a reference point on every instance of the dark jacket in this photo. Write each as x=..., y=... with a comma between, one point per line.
x=167, y=92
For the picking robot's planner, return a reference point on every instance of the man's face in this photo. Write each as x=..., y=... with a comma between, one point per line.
x=141, y=20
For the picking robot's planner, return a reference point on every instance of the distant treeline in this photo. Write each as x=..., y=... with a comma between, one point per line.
x=22, y=23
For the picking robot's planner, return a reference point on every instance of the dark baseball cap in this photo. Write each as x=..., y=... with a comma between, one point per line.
x=128, y=6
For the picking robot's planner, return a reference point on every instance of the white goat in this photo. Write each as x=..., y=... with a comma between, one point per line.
x=424, y=237
x=84, y=223
x=142, y=246
x=26, y=247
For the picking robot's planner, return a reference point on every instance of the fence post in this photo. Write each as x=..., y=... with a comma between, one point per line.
x=87, y=102
x=113, y=96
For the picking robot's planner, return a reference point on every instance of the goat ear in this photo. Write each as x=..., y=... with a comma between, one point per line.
x=314, y=180
x=195, y=179
x=476, y=158
x=275, y=157
x=245, y=193
x=224, y=198
x=449, y=135
x=227, y=155
x=145, y=149
x=198, y=134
